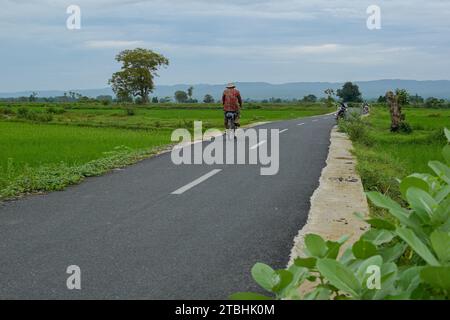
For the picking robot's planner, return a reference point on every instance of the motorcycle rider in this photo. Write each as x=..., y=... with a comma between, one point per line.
x=342, y=110
x=366, y=108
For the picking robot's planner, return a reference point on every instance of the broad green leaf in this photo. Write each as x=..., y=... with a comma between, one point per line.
x=318, y=293
x=415, y=182
x=428, y=178
x=343, y=239
x=378, y=237
x=447, y=134
x=381, y=224
x=265, y=276
x=339, y=276
x=248, y=296
x=440, y=242
x=445, y=227
x=442, y=194
x=442, y=170
x=438, y=277
x=391, y=254
x=309, y=263
x=421, y=293
x=286, y=278
x=388, y=277
x=442, y=213
x=446, y=154
x=362, y=274
x=364, y=249
x=347, y=257
x=395, y=209
x=383, y=201
x=300, y=274
x=332, y=249
x=422, y=203
x=417, y=245
x=410, y=279
x=315, y=245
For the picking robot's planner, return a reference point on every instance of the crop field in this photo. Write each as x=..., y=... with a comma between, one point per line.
x=154, y=117
x=384, y=157
x=48, y=147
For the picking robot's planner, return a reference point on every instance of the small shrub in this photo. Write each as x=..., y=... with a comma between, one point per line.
x=437, y=136
x=39, y=116
x=130, y=111
x=22, y=112
x=53, y=110
x=356, y=130
x=405, y=127
x=188, y=124
x=6, y=110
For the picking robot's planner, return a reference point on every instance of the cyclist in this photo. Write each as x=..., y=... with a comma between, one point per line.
x=232, y=102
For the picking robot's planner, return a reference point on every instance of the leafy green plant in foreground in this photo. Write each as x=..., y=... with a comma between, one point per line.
x=405, y=259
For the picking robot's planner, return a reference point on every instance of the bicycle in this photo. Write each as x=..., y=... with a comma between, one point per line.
x=231, y=124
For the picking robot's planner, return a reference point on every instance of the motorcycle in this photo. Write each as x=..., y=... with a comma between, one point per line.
x=342, y=112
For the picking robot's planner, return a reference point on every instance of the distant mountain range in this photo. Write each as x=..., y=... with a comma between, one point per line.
x=262, y=90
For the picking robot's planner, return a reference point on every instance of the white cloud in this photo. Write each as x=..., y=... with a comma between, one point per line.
x=263, y=40
x=112, y=44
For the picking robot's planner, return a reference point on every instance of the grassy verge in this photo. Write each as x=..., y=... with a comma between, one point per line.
x=48, y=148
x=383, y=157
x=54, y=177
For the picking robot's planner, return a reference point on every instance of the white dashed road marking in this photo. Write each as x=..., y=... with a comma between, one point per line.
x=258, y=145
x=196, y=182
x=282, y=131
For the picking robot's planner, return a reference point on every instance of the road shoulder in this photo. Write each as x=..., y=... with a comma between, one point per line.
x=339, y=195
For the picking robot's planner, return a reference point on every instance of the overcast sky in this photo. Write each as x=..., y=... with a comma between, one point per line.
x=217, y=41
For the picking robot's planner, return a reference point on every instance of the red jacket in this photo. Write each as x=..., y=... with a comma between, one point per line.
x=231, y=100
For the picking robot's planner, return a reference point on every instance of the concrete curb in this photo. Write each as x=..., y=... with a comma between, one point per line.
x=339, y=196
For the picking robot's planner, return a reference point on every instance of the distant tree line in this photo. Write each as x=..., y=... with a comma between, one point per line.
x=406, y=99
x=134, y=83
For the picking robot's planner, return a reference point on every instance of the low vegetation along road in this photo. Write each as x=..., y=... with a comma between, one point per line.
x=160, y=231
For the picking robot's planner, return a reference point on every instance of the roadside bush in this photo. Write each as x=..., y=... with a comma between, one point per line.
x=406, y=257
x=356, y=129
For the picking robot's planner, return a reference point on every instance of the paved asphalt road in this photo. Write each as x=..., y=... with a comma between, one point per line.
x=134, y=239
